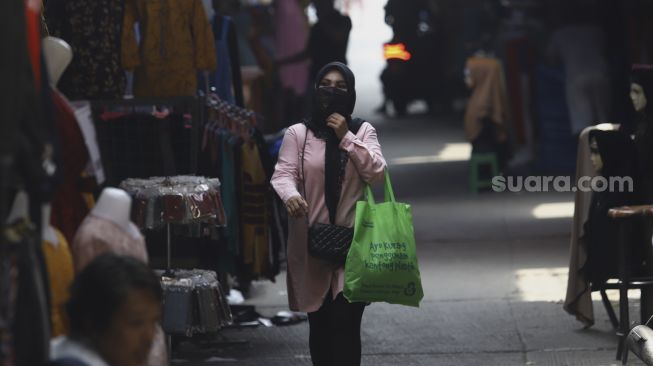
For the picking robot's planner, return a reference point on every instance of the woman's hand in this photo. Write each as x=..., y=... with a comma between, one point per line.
x=339, y=124
x=296, y=206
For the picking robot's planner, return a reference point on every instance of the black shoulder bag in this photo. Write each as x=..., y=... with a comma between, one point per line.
x=327, y=241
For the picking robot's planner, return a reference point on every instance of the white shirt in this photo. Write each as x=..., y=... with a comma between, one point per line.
x=64, y=347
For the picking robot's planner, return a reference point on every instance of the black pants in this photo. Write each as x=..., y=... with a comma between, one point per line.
x=335, y=332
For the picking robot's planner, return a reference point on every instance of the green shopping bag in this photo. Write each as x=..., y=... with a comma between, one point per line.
x=382, y=261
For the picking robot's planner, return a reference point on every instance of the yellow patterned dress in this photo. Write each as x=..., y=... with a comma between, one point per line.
x=59, y=263
x=176, y=42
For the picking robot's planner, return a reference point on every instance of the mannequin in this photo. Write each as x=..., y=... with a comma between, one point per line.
x=115, y=205
x=640, y=93
x=108, y=229
x=641, y=90
x=58, y=55
x=66, y=209
x=611, y=156
x=48, y=233
x=638, y=97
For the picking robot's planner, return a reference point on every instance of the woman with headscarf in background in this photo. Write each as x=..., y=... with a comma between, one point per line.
x=324, y=164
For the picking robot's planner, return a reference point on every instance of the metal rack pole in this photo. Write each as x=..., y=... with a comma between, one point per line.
x=168, y=246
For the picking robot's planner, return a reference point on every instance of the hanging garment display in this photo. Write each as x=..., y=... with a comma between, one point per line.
x=24, y=313
x=68, y=205
x=221, y=79
x=255, y=214
x=176, y=42
x=236, y=152
x=84, y=117
x=145, y=138
x=59, y=263
x=92, y=28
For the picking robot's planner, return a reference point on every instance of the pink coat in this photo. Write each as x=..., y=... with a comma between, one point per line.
x=310, y=279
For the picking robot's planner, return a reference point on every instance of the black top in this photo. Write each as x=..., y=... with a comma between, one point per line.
x=328, y=41
x=618, y=154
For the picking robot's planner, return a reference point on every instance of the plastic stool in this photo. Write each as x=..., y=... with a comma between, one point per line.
x=476, y=161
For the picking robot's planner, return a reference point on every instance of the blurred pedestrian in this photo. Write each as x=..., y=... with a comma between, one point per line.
x=323, y=166
x=114, y=310
x=291, y=38
x=580, y=44
x=486, y=115
x=327, y=42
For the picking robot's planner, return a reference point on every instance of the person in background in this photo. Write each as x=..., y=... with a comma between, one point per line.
x=323, y=166
x=327, y=42
x=114, y=309
x=329, y=37
x=580, y=45
x=486, y=115
x=291, y=37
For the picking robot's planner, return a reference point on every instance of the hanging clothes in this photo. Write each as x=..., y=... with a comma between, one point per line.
x=139, y=145
x=28, y=311
x=33, y=18
x=59, y=263
x=176, y=42
x=255, y=214
x=68, y=205
x=488, y=99
x=84, y=117
x=25, y=138
x=234, y=149
x=221, y=79
x=292, y=30
x=92, y=28
x=229, y=193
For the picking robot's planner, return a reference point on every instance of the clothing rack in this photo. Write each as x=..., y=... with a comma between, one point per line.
x=233, y=148
x=114, y=139
x=229, y=113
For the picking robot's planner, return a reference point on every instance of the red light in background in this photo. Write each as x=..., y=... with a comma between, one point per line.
x=396, y=51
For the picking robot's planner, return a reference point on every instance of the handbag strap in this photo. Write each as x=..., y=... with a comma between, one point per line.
x=303, y=176
x=389, y=194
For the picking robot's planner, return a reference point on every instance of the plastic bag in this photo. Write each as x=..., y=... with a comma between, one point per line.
x=382, y=262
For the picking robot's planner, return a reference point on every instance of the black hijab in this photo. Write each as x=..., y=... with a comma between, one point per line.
x=643, y=75
x=617, y=152
x=327, y=101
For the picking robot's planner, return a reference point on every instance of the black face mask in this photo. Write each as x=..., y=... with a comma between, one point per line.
x=332, y=100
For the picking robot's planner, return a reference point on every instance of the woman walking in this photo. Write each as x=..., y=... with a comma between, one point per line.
x=323, y=165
